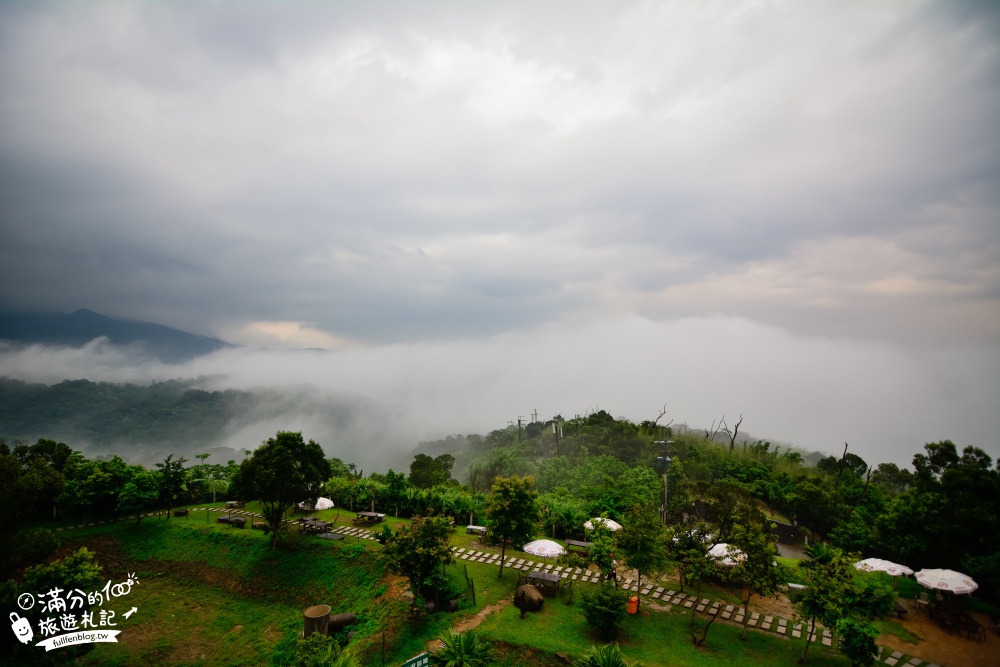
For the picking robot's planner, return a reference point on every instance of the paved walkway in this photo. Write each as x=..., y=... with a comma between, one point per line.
x=781, y=626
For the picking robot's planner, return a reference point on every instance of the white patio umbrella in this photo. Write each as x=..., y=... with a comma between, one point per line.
x=887, y=566
x=321, y=504
x=721, y=553
x=946, y=580
x=608, y=523
x=544, y=548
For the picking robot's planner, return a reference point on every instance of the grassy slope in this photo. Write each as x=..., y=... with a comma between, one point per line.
x=210, y=594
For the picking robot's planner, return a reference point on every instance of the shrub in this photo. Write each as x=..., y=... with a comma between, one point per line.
x=605, y=609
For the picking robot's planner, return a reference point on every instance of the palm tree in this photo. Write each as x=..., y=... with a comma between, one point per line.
x=604, y=656
x=463, y=649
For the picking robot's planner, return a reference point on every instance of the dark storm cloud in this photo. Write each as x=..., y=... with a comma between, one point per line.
x=259, y=163
x=348, y=174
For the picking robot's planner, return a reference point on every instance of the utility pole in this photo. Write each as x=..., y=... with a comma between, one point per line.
x=519, y=420
x=663, y=463
x=534, y=416
x=556, y=434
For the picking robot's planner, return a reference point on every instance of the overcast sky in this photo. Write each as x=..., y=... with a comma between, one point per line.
x=785, y=209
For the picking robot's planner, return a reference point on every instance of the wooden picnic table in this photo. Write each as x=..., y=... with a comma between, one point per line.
x=368, y=517
x=311, y=525
x=575, y=545
x=230, y=504
x=470, y=529
x=546, y=581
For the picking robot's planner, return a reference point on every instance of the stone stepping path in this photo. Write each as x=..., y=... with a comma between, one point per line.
x=671, y=598
x=776, y=624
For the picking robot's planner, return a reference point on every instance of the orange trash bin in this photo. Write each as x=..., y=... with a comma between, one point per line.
x=632, y=606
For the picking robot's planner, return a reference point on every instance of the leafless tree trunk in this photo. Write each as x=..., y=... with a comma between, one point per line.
x=840, y=470
x=660, y=416
x=732, y=434
x=713, y=431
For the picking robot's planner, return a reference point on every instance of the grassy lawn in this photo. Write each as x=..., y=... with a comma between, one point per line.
x=211, y=594
x=887, y=626
x=654, y=638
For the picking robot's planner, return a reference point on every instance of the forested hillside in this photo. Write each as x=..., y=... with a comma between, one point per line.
x=945, y=512
x=172, y=414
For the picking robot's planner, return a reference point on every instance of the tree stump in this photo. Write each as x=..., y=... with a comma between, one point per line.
x=317, y=619
x=341, y=621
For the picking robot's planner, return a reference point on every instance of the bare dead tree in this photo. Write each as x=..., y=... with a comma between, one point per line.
x=660, y=416
x=713, y=431
x=840, y=470
x=732, y=434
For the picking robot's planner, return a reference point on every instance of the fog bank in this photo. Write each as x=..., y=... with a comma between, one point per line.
x=373, y=404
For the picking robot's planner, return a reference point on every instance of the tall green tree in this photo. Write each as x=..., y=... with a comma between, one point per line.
x=857, y=641
x=139, y=494
x=686, y=545
x=512, y=513
x=831, y=576
x=949, y=516
x=642, y=540
x=426, y=472
x=284, y=471
x=419, y=551
x=173, y=480
x=698, y=569
x=757, y=570
x=602, y=550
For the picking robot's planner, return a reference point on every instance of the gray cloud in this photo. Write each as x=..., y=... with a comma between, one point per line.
x=400, y=174
x=373, y=404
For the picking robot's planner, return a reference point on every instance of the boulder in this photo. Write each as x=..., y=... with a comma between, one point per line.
x=528, y=598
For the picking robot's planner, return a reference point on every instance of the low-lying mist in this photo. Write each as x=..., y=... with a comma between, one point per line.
x=371, y=405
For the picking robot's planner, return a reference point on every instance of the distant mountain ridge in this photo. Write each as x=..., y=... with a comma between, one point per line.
x=79, y=328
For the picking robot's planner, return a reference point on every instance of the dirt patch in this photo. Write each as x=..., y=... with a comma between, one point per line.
x=779, y=606
x=936, y=645
x=236, y=628
x=480, y=616
x=470, y=622
x=138, y=636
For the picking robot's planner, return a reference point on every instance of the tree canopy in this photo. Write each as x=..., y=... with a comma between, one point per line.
x=418, y=551
x=284, y=471
x=512, y=513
